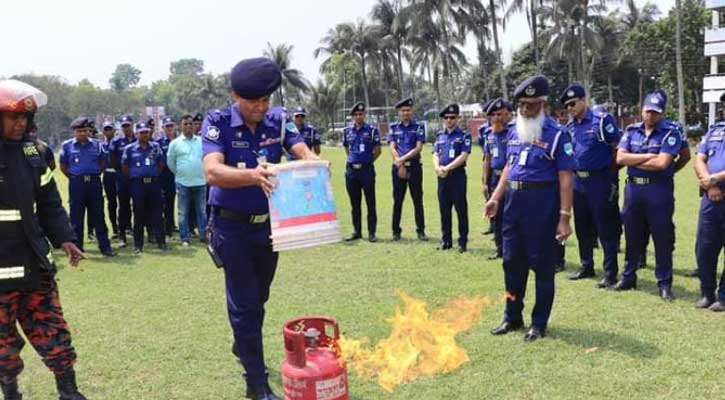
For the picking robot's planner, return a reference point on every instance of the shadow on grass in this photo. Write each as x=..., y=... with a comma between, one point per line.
x=606, y=341
x=649, y=286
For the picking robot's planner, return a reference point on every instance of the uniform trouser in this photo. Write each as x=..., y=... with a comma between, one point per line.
x=249, y=267
x=41, y=318
x=497, y=220
x=530, y=218
x=358, y=182
x=452, y=194
x=710, y=241
x=400, y=186
x=124, y=204
x=110, y=182
x=87, y=194
x=146, y=210
x=649, y=208
x=596, y=205
x=168, y=193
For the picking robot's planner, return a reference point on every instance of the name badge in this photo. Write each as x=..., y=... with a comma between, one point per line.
x=523, y=156
x=362, y=147
x=495, y=152
x=241, y=165
x=261, y=159
x=451, y=153
x=147, y=161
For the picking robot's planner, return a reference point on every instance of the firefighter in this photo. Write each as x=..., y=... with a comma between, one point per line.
x=31, y=217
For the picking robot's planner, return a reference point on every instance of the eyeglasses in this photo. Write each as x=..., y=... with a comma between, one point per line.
x=449, y=117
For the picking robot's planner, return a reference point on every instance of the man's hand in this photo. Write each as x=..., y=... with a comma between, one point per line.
x=714, y=193
x=563, y=230
x=397, y=162
x=261, y=176
x=442, y=172
x=491, y=208
x=402, y=172
x=75, y=255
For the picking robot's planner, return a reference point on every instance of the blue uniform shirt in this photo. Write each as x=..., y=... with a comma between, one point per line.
x=82, y=159
x=406, y=137
x=448, y=146
x=494, y=145
x=142, y=162
x=482, y=136
x=117, y=146
x=664, y=139
x=360, y=143
x=311, y=137
x=712, y=146
x=542, y=160
x=163, y=143
x=224, y=132
x=593, y=137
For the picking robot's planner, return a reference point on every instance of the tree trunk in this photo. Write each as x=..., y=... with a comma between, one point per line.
x=281, y=96
x=570, y=67
x=610, y=88
x=364, y=79
x=535, y=33
x=436, y=85
x=497, y=46
x=680, y=77
x=641, y=90
x=400, y=70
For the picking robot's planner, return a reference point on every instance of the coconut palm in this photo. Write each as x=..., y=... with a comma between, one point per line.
x=282, y=55
x=393, y=21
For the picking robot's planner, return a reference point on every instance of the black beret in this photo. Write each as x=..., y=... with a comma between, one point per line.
x=80, y=123
x=575, y=91
x=533, y=87
x=198, y=117
x=255, y=78
x=404, y=103
x=454, y=109
x=358, y=107
x=485, y=104
x=498, y=104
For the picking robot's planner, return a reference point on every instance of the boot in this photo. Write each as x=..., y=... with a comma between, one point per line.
x=10, y=390
x=67, y=388
x=261, y=393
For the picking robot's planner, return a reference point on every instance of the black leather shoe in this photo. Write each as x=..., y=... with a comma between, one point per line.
x=462, y=248
x=559, y=267
x=354, y=236
x=506, y=327
x=372, y=238
x=261, y=393
x=10, y=390
x=534, y=333
x=581, y=274
x=691, y=273
x=622, y=285
x=422, y=237
x=444, y=246
x=705, y=301
x=108, y=254
x=164, y=247
x=137, y=250
x=396, y=237
x=666, y=294
x=494, y=256
x=718, y=306
x=606, y=283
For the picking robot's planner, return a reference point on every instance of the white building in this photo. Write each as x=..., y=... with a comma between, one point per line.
x=714, y=84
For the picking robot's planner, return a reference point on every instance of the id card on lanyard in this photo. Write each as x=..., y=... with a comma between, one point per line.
x=523, y=157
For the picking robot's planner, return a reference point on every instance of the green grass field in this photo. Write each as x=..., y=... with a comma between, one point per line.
x=155, y=327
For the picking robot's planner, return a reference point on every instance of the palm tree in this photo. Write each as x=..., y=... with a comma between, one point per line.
x=678, y=54
x=635, y=15
x=323, y=99
x=493, y=20
x=282, y=55
x=611, y=34
x=394, y=24
x=530, y=7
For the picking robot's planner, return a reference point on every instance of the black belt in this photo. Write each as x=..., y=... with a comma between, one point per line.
x=588, y=174
x=145, y=180
x=86, y=178
x=497, y=172
x=640, y=181
x=358, y=165
x=526, y=185
x=249, y=218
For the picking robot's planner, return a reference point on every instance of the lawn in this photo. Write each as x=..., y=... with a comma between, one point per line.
x=155, y=326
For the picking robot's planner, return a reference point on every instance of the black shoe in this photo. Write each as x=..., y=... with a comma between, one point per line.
x=718, y=306
x=595, y=244
x=559, y=267
x=506, y=327
x=122, y=241
x=691, y=273
x=422, y=237
x=114, y=236
x=354, y=236
x=108, y=253
x=164, y=247
x=10, y=390
x=494, y=256
x=372, y=238
x=444, y=246
x=705, y=301
x=204, y=240
x=606, y=283
x=67, y=389
x=666, y=294
x=152, y=240
x=622, y=285
x=91, y=237
x=534, y=333
x=137, y=250
x=262, y=393
x=396, y=237
x=582, y=273
x=462, y=248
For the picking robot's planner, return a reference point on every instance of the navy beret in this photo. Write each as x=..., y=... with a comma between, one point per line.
x=299, y=111
x=107, y=124
x=655, y=101
x=80, y=123
x=358, y=107
x=142, y=127
x=575, y=91
x=168, y=121
x=498, y=104
x=254, y=78
x=198, y=117
x=533, y=87
x=404, y=103
x=126, y=120
x=485, y=104
x=454, y=109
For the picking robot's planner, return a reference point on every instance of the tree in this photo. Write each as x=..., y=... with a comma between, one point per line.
x=493, y=20
x=394, y=25
x=282, y=56
x=529, y=7
x=323, y=102
x=187, y=66
x=678, y=54
x=124, y=77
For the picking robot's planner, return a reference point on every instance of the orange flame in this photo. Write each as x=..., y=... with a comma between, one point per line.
x=420, y=344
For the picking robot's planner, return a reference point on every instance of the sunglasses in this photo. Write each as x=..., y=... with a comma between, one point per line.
x=299, y=116
x=449, y=117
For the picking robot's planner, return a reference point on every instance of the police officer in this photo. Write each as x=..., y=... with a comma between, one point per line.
x=309, y=133
x=31, y=219
x=110, y=177
x=710, y=171
x=596, y=203
x=239, y=143
x=648, y=150
x=362, y=145
x=116, y=149
x=495, y=138
x=537, y=182
x=450, y=152
x=406, y=139
x=197, y=121
x=81, y=160
x=485, y=174
x=142, y=163
x=168, y=185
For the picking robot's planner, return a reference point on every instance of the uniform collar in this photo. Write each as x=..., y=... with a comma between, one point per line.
x=75, y=141
x=588, y=116
x=237, y=119
x=362, y=127
x=454, y=131
x=411, y=123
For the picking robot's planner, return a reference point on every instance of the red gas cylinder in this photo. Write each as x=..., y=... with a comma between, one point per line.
x=313, y=369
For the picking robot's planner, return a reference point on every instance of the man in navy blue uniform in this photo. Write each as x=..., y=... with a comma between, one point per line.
x=142, y=163
x=450, y=152
x=81, y=160
x=406, y=139
x=197, y=121
x=596, y=202
x=308, y=132
x=537, y=182
x=168, y=184
x=110, y=177
x=116, y=148
x=495, y=137
x=710, y=170
x=648, y=150
x=362, y=145
x=485, y=174
x=239, y=144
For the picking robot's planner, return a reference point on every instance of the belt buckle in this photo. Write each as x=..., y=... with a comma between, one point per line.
x=259, y=219
x=516, y=185
x=583, y=174
x=356, y=166
x=86, y=178
x=641, y=180
x=147, y=180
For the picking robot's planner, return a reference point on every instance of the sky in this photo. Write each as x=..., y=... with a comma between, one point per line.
x=86, y=39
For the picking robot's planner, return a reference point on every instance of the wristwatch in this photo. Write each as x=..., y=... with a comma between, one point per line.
x=713, y=180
